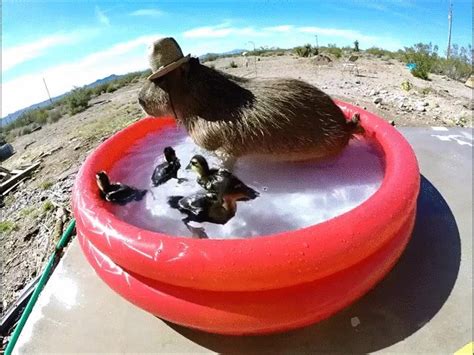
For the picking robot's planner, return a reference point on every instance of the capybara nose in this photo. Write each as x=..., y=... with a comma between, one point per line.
x=141, y=102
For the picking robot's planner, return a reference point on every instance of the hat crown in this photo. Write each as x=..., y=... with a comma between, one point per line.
x=164, y=52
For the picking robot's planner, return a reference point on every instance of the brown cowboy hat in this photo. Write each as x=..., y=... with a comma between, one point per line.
x=165, y=56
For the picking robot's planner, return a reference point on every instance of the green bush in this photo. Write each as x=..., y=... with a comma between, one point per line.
x=356, y=46
x=25, y=130
x=78, y=100
x=111, y=88
x=7, y=226
x=211, y=57
x=424, y=56
x=334, y=50
x=54, y=115
x=306, y=51
x=458, y=66
x=233, y=64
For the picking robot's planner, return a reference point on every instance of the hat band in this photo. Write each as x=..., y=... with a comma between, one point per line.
x=163, y=70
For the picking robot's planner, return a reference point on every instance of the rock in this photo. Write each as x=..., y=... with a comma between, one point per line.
x=355, y=321
x=357, y=82
x=420, y=108
x=373, y=92
x=384, y=92
x=377, y=100
x=470, y=82
x=469, y=105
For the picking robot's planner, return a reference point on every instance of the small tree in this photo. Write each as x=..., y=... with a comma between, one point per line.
x=356, y=46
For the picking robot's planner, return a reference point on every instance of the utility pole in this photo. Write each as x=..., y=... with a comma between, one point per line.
x=46, y=86
x=254, y=57
x=317, y=44
x=450, y=23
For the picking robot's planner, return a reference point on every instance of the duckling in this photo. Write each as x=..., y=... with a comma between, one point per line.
x=168, y=169
x=118, y=193
x=210, y=179
x=200, y=207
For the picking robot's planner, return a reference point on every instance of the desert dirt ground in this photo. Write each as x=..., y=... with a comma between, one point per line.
x=36, y=206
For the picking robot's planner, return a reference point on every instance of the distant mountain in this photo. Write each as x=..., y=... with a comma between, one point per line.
x=205, y=57
x=103, y=81
x=15, y=115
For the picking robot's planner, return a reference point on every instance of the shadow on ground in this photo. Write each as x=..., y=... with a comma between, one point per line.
x=410, y=295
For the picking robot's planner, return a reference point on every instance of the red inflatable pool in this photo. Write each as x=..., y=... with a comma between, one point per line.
x=257, y=285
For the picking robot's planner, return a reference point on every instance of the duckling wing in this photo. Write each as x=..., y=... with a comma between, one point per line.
x=234, y=184
x=124, y=194
x=162, y=173
x=198, y=203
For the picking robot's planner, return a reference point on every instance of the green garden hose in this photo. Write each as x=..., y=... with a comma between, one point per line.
x=42, y=281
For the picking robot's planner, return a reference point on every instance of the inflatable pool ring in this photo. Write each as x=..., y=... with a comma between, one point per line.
x=255, y=285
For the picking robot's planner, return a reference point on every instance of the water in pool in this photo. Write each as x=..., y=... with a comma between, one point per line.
x=292, y=195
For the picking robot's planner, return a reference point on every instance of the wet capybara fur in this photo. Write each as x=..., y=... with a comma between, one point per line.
x=283, y=118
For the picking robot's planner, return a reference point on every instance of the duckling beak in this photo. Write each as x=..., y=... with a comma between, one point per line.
x=189, y=166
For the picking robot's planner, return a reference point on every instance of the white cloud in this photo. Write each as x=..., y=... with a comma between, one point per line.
x=147, y=12
x=282, y=28
x=121, y=58
x=103, y=19
x=219, y=31
x=13, y=56
x=288, y=35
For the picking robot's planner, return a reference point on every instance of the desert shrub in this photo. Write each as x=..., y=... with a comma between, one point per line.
x=145, y=74
x=7, y=226
x=100, y=89
x=233, y=64
x=78, y=100
x=47, y=206
x=424, y=56
x=45, y=185
x=459, y=64
x=211, y=57
x=111, y=88
x=306, y=51
x=334, y=50
x=406, y=85
x=54, y=115
x=25, y=130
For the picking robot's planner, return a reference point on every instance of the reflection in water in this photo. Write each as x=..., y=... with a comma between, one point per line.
x=292, y=195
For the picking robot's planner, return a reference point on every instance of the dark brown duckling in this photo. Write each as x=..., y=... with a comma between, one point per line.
x=210, y=179
x=200, y=207
x=168, y=169
x=117, y=193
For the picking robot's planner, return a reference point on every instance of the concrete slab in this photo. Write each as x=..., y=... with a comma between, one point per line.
x=424, y=305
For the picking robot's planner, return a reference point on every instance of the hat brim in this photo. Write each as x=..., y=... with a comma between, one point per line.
x=166, y=69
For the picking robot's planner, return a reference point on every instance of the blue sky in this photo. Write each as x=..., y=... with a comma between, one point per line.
x=72, y=43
